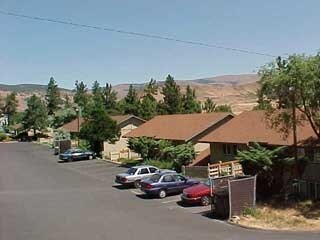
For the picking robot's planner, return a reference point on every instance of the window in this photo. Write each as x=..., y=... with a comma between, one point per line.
x=179, y=178
x=230, y=149
x=168, y=178
x=153, y=170
x=131, y=171
x=144, y=171
x=226, y=149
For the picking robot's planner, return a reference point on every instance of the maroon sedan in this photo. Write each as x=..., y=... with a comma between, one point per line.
x=199, y=193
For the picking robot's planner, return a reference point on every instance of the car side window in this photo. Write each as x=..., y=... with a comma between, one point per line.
x=152, y=169
x=180, y=178
x=168, y=178
x=144, y=171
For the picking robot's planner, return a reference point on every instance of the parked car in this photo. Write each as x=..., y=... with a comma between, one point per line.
x=198, y=194
x=166, y=183
x=76, y=154
x=134, y=175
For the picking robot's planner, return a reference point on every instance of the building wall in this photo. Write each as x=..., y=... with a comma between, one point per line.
x=121, y=144
x=199, y=147
x=218, y=153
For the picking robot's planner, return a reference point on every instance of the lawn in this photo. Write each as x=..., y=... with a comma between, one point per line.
x=300, y=216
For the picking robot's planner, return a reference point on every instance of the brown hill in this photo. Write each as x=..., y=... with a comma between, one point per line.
x=236, y=90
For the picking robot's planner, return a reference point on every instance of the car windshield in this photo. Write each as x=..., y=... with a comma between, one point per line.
x=207, y=182
x=155, y=178
x=68, y=151
x=131, y=171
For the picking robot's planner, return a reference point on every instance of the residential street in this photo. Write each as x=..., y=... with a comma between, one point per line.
x=41, y=199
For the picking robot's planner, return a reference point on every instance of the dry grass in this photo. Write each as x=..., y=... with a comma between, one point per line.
x=302, y=216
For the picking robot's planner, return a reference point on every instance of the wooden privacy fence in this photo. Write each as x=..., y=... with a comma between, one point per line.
x=224, y=169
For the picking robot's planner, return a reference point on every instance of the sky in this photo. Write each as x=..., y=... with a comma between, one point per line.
x=33, y=51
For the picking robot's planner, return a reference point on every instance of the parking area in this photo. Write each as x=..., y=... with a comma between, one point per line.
x=105, y=171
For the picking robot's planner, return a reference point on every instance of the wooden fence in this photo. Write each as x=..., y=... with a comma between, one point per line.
x=224, y=169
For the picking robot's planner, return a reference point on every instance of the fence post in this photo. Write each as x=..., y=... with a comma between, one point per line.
x=183, y=169
x=232, y=169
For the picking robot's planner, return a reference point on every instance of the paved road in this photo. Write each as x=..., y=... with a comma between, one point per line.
x=42, y=199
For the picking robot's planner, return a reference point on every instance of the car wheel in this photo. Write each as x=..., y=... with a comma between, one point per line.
x=137, y=184
x=205, y=201
x=162, y=193
x=90, y=157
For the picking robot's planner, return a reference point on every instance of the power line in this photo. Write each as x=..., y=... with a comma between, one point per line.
x=146, y=35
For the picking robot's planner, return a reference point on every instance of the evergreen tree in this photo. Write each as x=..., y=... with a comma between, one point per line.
x=131, y=102
x=10, y=107
x=97, y=94
x=149, y=104
x=35, y=117
x=53, y=99
x=190, y=103
x=110, y=98
x=208, y=105
x=99, y=127
x=81, y=96
x=172, y=99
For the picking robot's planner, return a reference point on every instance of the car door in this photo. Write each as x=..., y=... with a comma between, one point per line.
x=169, y=183
x=180, y=183
x=77, y=154
x=143, y=173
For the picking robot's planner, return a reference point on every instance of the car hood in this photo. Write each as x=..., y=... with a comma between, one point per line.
x=196, y=189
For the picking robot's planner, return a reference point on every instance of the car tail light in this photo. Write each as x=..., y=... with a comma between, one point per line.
x=148, y=186
x=124, y=179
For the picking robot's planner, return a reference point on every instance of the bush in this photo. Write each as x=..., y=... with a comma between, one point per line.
x=3, y=137
x=129, y=162
x=251, y=211
x=160, y=164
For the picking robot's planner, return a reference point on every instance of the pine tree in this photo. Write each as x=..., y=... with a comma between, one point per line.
x=208, y=105
x=110, y=98
x=10, y=107
x=53, y=99
x=172, y=100
x=131, y=102
x=97, y=94
x=81, y=96
x=149, y=104
x=35, y=117
x=190, y=103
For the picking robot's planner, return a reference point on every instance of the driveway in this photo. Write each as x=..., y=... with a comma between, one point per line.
x=43, y=199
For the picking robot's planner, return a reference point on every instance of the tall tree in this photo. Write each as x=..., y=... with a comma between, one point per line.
x=293, y=83
x=53, y=96
x=208, y=106
x=172, y=99
x=97, y=94
x=36, y=116
x=131, y=102
x=190, y=102
x=110, y=98
x=10, y=107
x=81, y=96
x=99, y=127
x=149, y=103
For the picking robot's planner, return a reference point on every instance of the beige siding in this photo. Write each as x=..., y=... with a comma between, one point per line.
x=199, y=147
x=121, y=144
x=217, y=153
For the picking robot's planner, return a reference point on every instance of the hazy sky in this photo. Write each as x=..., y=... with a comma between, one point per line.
x=32, y=52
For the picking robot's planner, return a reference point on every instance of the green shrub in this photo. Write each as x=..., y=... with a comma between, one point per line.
x=251, y=211
x=3, y=137
x=129, y=162
x=160, y=164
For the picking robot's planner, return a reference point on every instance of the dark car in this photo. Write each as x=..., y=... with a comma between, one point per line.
x=163, y=184
x=76, y=154
x=199, y=193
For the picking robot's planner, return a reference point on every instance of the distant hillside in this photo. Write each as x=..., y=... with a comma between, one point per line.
x=25, y=88
x=236, y=90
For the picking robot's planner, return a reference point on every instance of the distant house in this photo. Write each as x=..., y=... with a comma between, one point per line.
x=119, y=149
x=252, y=126
x=183, y=128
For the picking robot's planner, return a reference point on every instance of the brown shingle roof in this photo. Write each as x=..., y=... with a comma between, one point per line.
x=178, y=126
x=73, y=125
x=252, y=126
